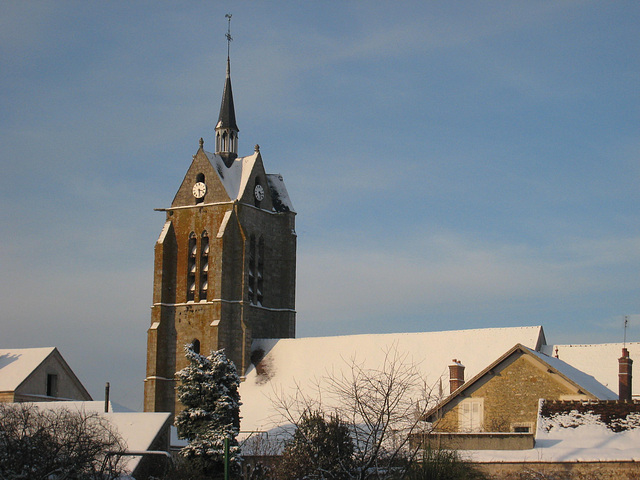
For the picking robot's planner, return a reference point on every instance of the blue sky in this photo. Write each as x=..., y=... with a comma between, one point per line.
x=453, y=164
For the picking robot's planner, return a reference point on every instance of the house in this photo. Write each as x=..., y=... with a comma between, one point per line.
x=38, y=375
x=504, y=398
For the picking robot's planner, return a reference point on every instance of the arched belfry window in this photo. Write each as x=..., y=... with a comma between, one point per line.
x=204, y=265
x=252, y=269
x=191, y=267
x=260, y=271
x=256, y=270
x=195, y=345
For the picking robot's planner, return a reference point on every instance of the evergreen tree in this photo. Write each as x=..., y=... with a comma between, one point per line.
x=209, y=392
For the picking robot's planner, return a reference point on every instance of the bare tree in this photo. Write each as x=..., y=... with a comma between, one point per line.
x=383, y=407
x=40, y=443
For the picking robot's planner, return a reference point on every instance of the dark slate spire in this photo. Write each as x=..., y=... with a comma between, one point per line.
x=227, y=129
x=227, y=117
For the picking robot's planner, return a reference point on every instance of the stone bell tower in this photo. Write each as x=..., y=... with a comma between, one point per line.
x=225, y=262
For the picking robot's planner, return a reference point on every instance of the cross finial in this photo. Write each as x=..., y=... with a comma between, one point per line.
x=228, y=35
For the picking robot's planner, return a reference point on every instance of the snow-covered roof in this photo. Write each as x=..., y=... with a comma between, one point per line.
x=17, y=364
x=279, y=193
x=599, y=360
x=235, y=177
x=300, y=363
x=137, y=429
x=586, y=381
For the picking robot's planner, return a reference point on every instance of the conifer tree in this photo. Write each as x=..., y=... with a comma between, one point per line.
x=209, y=392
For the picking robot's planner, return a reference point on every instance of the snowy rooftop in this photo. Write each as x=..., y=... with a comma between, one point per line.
x=18, y=363
x=599, y=360
x=586, y=381
x=138, y=430
x=299, y=364
x=235, y=178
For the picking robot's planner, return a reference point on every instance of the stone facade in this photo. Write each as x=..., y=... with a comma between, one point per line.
x=508, y=397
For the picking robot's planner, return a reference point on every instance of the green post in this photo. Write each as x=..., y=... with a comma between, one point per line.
x=226, y=458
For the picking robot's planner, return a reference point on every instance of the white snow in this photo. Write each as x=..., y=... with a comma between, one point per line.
x=584, y=380
x=235, y=177
x=587, y=440
x=138, y=430
x=18, y=363
x=298, y=364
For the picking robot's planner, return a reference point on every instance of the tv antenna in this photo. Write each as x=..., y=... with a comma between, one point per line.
x=626, y=324
x=228, y=35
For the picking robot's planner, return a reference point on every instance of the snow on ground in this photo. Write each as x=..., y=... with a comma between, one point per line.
x=572, y=437
x=297, y=365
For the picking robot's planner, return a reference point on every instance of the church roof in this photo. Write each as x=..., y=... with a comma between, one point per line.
x=235, y=177
x=291, y=366
x=227, y=117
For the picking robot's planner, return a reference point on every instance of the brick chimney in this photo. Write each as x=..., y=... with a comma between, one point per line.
x=456, y=375
x=624, y=376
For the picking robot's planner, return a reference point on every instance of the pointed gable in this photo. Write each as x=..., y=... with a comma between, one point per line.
x=25, y=371
x=555, y=369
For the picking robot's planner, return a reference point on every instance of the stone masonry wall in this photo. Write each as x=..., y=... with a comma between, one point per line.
x=511, y=396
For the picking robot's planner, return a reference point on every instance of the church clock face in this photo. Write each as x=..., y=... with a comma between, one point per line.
x=199, y=189
x=259, y=192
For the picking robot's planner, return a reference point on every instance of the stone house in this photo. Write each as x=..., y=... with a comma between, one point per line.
x=504, y=397
x=38, y=375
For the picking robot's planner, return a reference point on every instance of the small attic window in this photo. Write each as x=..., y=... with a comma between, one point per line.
x=200, y=178
x=52, y=385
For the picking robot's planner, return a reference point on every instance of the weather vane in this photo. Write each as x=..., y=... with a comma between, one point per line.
x=228, y=35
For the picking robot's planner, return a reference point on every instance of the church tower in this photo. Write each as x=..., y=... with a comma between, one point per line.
x=225, y=262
